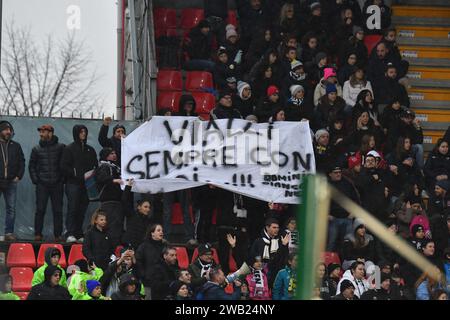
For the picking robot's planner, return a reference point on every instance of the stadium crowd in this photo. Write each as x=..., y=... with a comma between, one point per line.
x=288, y=61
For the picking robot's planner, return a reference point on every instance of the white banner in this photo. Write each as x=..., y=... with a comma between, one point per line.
x=262, y=161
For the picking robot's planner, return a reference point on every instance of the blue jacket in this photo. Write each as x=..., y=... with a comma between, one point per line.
x=284, y=285
x=422, y=291
x=212, y=291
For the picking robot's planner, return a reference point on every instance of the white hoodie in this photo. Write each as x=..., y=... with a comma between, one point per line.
x=361, y=286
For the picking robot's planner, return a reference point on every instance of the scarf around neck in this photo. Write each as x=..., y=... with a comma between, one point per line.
x=271, y=245
x=297, y=77
x=205, y=268
x=258, y=278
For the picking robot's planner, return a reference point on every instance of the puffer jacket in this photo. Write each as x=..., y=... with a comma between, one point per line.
x=45, y=159
x=13, y=153
x=361, y=286
x=78, y=158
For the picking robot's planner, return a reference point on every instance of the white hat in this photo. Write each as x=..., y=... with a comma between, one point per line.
x=241, y=85
x=296, y=88
x=374, y=154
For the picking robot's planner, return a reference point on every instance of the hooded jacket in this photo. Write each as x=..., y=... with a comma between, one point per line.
x=12, y=161
x=361, y=286
x=183, y=100
x=112, y=142
x=285, y=285
x=105, y=173
x=45, y=291
x=350, y=252
x=125, y=280
x=6, y=295
x=199, y=46
x=78, y=283
x=39, y=276
x=78, y=158
x=148, y=255
x=45, y=160
x=98, y=246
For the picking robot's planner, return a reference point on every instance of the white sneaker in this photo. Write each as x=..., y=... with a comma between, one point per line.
x=80, y=240
x=71, y=239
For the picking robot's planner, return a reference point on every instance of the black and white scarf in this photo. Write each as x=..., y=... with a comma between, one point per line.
x=293, y=243
x=297, y=102
x=297, y=77
x=205, y=268
x=271, y=246
x=258, y=278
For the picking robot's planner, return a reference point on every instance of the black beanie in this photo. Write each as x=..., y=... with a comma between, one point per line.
x=104, y=153
x=204, y=24
x=332, y=267
x=83, y=265
x=4, y=125
x=346, y=284
x=175, y=286
x=119, y=126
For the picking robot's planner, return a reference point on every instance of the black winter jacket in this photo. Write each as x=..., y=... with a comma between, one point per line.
x=163, y=276
x=200, y=45
x=12, y=155
x=148, y=255
x=436, y=165
x=221, y=112
x=104, y=176
x=348, y=190
x=45, y=160
x=97, y=246
x=372, y=192
x=114, y=143
x=45, y=291
x=78, y=158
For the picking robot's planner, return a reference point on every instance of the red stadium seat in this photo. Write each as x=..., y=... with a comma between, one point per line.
x=232, y=18
x=177, y=214
x=22, y=295
x=164, y=18
x=198, y=80
x=331, y=257
x=371, y=41
x=169, y=80
x=190, y=17
x=168, y=99
x=76, y=253
x=215, y=255
x=182, y=257
x=21, y=278
x=205, y=102
x=21, y=255
x=41, y=255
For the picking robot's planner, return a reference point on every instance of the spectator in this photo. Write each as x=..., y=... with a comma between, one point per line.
x=216, y=13
x=52, y=256
x=5, y=288
x=297, y=76
x=329, y=77
x=309, y=49
x=426, y=284
x=77, y=159
x=316, y=68
x=339, y=222
x=389, y=37
x=355, y=44
x=290, y=56
x=244, y=101
x=384, y=252
x=214, y=288
x=365, y=103
x=356, y=276
x=285, y=284
x=439, y=294
x=317, y=22
x=322, y=281
x=137, y=221
x=98, y=246
x=108, y=181
x=323, y=153
x=224, y=69
x=270, y=59
x=198, y=48
x=232, y=44
x=390, y=87
x=164, y=273
x=263, y=42
x=225, y=108
x=417, y=237
x=115, y=141
x=289, y=21
x=179, y=291
x=291, y=229
x=363, y=125
x=126, y=264
x=383, y=293
x=348, y=68
x=128, y=288
x=354, y=86
x=148, y=255
x=253, y=17
x=330, y=105
x=201, y=267
x=93, y=292
x=347, y=291
x=358, y=245
x=369, y=146
x=87, y=271
x=273, y=249
x=298, y=107
x=437, y=167
x=269, y=104
x=334, y=275
x=12, y=169
x=186, y=106
x=390, y=120
x=50, y=289
x=264, y=79
x=377, y=67
x=185, y=277
x=257, y=281
x=278, y=115
x=45, y=173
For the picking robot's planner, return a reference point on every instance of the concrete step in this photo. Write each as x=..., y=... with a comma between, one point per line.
x=432, y=136
x=416, y=72
x=421, y=11
x=430, y=83
x=426, y=115
x=405, y=31
x=435, y=126
x=419, y=93
x=416, y=41
x=428, y=62
x=430, y=104
x=421, y=21
x=434, y=3
x=424, y=52
x=177, y=4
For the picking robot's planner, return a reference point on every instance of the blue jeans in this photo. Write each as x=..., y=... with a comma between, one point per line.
x=43, y=193
x=337, y=229
x=168, y=200
x=418, y=150
x=77, y=203
x=9, y=191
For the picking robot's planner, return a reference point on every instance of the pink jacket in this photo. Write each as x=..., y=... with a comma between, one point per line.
x=264, y=295
x=423, y=221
